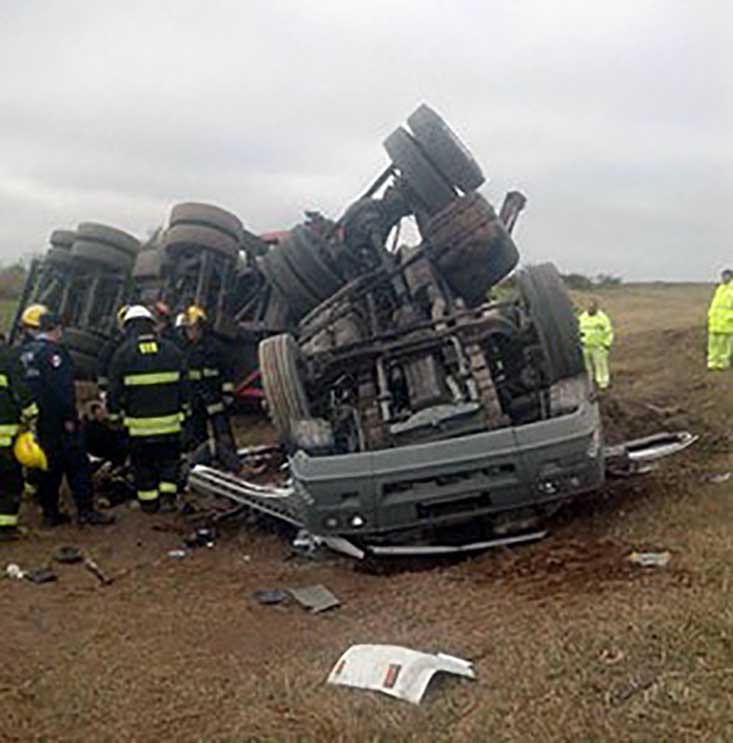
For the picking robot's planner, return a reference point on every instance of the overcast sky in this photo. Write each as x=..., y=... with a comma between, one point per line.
x=614, y=118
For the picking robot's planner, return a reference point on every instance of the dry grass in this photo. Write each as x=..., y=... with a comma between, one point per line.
x=570, y=643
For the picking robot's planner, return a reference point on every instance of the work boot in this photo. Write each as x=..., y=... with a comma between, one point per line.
x=10, y=533
x=168, y=503
x=149, y=506
x=93, y=517
x=52, y=519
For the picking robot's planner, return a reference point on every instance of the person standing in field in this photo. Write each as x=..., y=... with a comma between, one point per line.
x=596, y=335
x=720, y=324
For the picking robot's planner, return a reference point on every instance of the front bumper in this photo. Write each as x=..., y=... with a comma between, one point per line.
x=451, y=482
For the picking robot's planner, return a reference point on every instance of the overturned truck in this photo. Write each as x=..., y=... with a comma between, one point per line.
x=414, y=409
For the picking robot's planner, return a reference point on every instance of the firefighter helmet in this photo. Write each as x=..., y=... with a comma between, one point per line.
x=137, y=312
x=195, y=314
x=28, y=452
x=32, y=314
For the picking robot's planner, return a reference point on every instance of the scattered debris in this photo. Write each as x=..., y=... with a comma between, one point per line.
x=394, y=670
x=611, y=657
x=269, y=596
x=96, y=571
x=315, y=598
x=650, y=559
x=13, y=571
x=720, y=478
x=202, y=537
x=178, y=554
x=41, y=575
x=68, y=555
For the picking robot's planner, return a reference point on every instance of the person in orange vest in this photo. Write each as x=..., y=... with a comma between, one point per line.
x=596, y=335
x=720, y=324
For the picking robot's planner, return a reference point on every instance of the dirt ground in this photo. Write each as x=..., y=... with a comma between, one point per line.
x=569, y=641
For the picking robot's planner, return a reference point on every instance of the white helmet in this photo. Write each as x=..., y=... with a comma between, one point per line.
x=137, y=312
x=180, y=320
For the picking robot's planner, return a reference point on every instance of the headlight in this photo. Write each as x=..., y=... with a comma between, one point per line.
x=356, y=521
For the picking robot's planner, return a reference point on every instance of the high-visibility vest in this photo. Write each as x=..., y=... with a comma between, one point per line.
x=720, y=314
x=595, y=330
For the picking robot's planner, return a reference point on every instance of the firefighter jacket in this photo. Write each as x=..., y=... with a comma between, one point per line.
x=596, y=330
x=209, y=375
x=148, y=387
x=49, y=372
x=17, y=405
x=720, y=314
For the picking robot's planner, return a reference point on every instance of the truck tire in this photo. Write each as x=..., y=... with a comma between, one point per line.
x=62, y=239
x=302, y=250
x=427, y=183
x=278, y=273
x=101, y=233
x=280, y=361
x=148, y=264
x=546, y=300
x=183, y=236
x=449, y=155
x=207, y=215
x=103, y=254
x=60, y=257
x=82, y=341
x=85, y=365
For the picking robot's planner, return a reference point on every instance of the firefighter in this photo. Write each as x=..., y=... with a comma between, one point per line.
x=212, y=388
x=17, y=410
x=720, y=324
x=50, y=375
x=148, y=391
x=596, y=335
x=108, y=350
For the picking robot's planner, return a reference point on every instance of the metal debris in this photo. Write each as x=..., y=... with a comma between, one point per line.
x=315, y=598
x=270, y=596
x=68, y=555
x=14, y=571
x=394, y=670
x=97, y=572
x=650, y=559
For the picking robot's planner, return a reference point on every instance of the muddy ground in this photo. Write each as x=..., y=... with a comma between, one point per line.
x=570, y=642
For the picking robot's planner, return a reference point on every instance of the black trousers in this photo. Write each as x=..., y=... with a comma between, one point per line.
x=196, y=428
x=156, y=462
x=66, y=456
x=11, y=487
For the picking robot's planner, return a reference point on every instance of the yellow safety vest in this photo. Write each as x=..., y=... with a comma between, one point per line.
x=720, y=314
x=595, y=330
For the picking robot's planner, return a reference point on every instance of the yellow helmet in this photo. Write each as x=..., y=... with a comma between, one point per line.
x=121, y=315
x=32, y=314
x=28, y=452
x=195, y=314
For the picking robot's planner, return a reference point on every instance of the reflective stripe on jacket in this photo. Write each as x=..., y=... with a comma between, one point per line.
x=720, y=314
x=148, y=385
x=595, y=330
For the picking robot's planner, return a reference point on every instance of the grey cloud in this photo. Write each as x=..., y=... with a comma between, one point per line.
x=614, y=117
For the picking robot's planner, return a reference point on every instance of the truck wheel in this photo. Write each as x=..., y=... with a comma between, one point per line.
x=103, y=254
x=427, y=183
x=450, y=156
x=182, y=236
x=101, y=233
x=207, y=215
x=545, y=299
x=280, y=365
x=82, y=341
x=279, y=274
x=62, y=239
x=85, y=365
x=60, y=257
x=148, y=264
x=302, y=250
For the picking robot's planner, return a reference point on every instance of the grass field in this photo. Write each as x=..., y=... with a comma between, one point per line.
x=570, y=642
x=7, y=311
